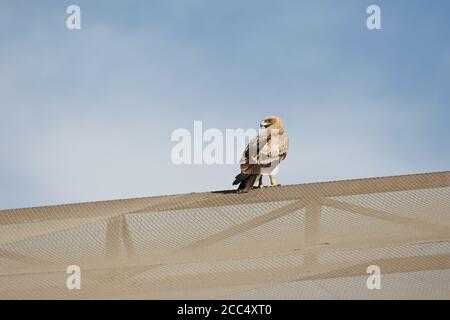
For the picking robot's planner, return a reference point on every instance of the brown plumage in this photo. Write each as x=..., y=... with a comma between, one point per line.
x=263, y=154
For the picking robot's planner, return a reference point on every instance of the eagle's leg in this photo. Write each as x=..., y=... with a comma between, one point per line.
x=273, y=183
x=260, y=183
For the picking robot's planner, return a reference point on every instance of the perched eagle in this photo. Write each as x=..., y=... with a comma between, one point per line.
x=263, y=155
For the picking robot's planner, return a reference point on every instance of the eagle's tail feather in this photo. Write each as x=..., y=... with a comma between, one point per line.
x=246, y=182
x=239, y=178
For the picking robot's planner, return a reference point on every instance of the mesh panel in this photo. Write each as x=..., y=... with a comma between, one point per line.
x=311, y=241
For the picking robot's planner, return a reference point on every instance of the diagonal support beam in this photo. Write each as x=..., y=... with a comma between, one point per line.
x=382, y=215
x=31, y=231
x=248, y=225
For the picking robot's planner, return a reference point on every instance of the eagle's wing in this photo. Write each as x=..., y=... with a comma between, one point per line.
x=284, y=146
x=274, y=150
x=262, y=151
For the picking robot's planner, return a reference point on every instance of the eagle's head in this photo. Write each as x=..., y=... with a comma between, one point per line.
x=273, y=122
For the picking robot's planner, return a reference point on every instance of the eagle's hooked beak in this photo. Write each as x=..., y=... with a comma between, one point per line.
x=264, y=124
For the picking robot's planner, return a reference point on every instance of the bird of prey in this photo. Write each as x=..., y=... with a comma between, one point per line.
x=263, y=155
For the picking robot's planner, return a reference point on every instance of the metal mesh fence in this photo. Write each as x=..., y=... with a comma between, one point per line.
x=310, y=241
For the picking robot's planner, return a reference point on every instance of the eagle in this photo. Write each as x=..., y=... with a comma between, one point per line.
x=263, y=155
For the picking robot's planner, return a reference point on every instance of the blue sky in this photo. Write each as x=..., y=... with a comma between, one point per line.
x=87, y=115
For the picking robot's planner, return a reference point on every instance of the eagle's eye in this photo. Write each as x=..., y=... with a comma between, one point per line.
x=267, y=122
